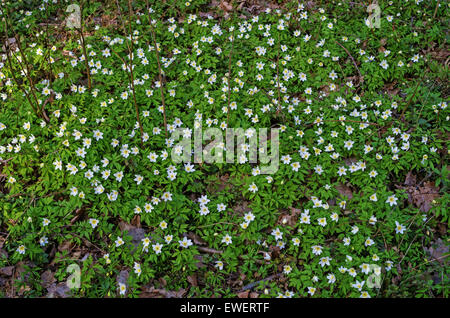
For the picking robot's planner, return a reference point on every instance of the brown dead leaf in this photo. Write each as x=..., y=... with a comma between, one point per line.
x=205, y=15
x=174, y=294
x=325, y=89
x=350, y=161
x=410, y=179
x=291, y=218
x=200, y=263
x=23, y=289
x=196, y=239
x=151, y=292
x=225, y=6
x=124, y=226
x=254, y=295
x=442, y=228
x=220, y=184
x=344, y=191
x=392, y=88
x=162, y=281
x=3, y=284
x=243, y=294
x=192, y=279
x=65, y=246
x=78, y=214
x=48, y=278
x=242, y=207
x=438, y=250
x=7, y=271
x=136, y=232
x=331, y=202
x=76, y=254
x=424, y=196
x=136, y=221
x=123, y=277
x=274, y=252
x=61, y=291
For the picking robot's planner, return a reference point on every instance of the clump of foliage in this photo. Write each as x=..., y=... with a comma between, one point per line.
x=86, y=175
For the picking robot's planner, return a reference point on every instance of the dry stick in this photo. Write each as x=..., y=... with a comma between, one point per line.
x=83, y=44
x=208, y=225
x=159, y=67
x=409, y=226
x=410, y=99
x=252, y=285
x=297, y=21
x=28, y=71
x=407, y=250
x=409, y=102
x=423, y=104
x=209, y=250
x=47, y=58
x=436, y=9
x=260, y=89
x=8, y=52
x=353, y=60
x=131, y=72
x=130, y=66
x=346, y=120
x=229, y=77
x=19, y=85
x=278, y=76
x=126, y=65
x=430, y=261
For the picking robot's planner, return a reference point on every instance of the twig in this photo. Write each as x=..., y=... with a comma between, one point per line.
x=425, y=178
x=436, y=9
x=8, y=56
x=209, y=250
x=401, y=241
x=353, y=60
x=278, y=75
x=83, y=44
x=131, y=72
x=208, y=225
x=346, y=120
x=130, y=65
x=252, y=285
x=430, y=261
x=159, y=67
x=229, y=77
x=27, y=65
x=410, y=100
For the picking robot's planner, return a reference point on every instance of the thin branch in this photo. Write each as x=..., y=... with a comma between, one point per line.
x=278, y=75
x=353, y=60
x=346, y=120
x=436, y=9
x=410, y=99
x=159, y=67
x=83, y=44
x=130, y=66
x=209, y=250
x=229, y=77
x=8, y=55
x=28, y=71
x=252, y=285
